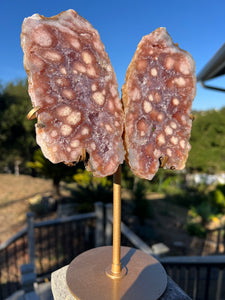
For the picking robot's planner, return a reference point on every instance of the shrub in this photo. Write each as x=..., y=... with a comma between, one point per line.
x=37, y=205
x=221, y=187
x=217, y=199
x=90, y=190
x=196, y=229
x=85, y=179
x=205, y=211
x=198, y=216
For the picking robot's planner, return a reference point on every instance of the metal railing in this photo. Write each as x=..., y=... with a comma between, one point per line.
x=54, y=243
x=13, y=253
x=58, y=241
x=201, y=277
x=49, y=245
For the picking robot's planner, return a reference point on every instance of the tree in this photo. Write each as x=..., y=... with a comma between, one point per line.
x=17, y=137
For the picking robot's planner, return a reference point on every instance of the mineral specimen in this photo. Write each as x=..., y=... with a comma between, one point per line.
x=159, y=88
x=74, y=92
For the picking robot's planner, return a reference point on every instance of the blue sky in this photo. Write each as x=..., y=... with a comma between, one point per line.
x=198, y=26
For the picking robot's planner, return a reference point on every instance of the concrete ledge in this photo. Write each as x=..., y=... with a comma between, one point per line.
x=59, y=287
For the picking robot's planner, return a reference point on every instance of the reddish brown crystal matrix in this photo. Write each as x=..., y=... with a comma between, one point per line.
x=74, y=90
x=159, y=88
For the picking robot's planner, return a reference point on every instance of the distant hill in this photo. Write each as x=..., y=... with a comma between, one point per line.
x=208, y=142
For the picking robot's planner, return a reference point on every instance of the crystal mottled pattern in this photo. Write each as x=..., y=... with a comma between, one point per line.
x=159, y=88
x=73, y=83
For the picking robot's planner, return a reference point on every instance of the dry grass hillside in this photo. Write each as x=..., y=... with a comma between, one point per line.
x=166, y=225
x=14, y=194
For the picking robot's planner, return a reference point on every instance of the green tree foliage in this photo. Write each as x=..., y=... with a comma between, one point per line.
x=208, y=142
x=17, y=137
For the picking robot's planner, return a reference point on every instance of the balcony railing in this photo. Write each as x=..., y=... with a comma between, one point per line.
x=49, y=244
x=201, y=277
x=54, y=243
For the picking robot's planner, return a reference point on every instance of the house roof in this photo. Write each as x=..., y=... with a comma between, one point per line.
x=214, y=68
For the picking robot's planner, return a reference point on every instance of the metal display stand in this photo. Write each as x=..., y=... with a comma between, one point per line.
x=116, y=272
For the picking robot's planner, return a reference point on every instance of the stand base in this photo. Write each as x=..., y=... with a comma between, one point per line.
x=145, y=277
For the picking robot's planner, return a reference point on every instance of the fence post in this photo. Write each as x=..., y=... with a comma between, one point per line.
x=99, y=230
x=28, y=278
x=30, y=236
x=108, y=226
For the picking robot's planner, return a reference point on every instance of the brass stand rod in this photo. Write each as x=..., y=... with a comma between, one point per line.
x=116, y=265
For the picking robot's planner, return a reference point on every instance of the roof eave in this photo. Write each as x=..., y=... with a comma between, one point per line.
x=215, y=67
